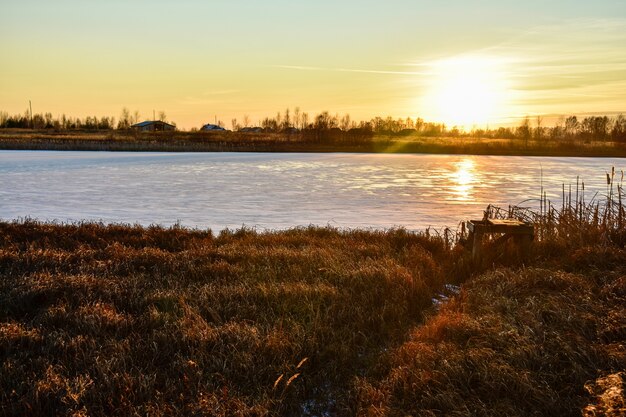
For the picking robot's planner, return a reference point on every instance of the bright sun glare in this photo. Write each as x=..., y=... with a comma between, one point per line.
x=468, y=91
x=462, y=179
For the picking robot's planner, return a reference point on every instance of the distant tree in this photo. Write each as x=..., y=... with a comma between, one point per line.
x=286, y=123
x=523, y=130
x=595, y=127
x=136, y=117
x=48, y=120
x=125, y=120
x=571, y=127
x=324, y=121
x=504, y=133
x=246, y=120
x=539, y=128
x=296, y=117
x=162, y=116
x=419, y=124
x=305, y=120
x=38, y=121
x=235, y=125
x=344, y=123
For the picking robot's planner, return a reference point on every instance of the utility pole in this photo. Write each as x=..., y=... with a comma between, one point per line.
x=31, y=114
x=153, y=115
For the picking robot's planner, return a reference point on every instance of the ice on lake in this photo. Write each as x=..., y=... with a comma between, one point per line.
x=281, y=190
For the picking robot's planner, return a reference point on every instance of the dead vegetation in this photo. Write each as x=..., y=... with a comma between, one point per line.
x=125, y=320
x=308, y=141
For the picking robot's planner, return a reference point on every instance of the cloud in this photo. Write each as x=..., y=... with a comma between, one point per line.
x=219, y=92
x=364, y=71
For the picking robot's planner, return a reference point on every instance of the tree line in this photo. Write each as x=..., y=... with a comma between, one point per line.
x=27, y=120
x=604, y=128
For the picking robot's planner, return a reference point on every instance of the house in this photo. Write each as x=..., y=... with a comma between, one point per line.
x=152, y=126
x=211, y=127
x=251, y=129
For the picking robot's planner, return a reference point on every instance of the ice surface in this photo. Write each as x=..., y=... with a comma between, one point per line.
x=280, y=190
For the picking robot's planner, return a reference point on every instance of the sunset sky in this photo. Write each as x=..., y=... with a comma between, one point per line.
x=466, y=63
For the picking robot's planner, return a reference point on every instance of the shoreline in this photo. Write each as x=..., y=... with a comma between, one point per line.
x=177, y=142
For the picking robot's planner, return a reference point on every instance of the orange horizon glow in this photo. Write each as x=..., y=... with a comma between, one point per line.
x=202, y=61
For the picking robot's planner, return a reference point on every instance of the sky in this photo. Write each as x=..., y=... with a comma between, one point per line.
x=483, y=62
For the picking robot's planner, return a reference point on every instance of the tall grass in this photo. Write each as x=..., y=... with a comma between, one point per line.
x=309, y=141
x=125, y=320
x=578, y=219
x=545, y=338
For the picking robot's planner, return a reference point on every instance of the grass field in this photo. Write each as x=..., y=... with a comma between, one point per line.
x=309, y=142
x=124, y=320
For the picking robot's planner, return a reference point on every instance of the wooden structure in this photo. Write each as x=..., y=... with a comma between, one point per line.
x=153, y=126
x=522, y=233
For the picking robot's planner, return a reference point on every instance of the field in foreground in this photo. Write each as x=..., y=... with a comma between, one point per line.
x=25, y=139
x=120, y=320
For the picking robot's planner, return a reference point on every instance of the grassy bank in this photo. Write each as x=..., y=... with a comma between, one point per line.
x=299, y=142
x=125, y=321
x=121, y=320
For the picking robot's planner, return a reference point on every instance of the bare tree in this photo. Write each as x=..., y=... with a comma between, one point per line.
x=523, y=130
x=4, y=117
x=344, y=124
x=162, y=116
x=124, y=122
x=571, y=126
x=136, y=117
x=286, y=120
x=246, y=120
x=296, y=117
x=539, y=128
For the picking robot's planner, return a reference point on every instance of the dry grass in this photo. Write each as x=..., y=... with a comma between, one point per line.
x=123, y=320
x=310, y=141
x=515, y=343
x=545, y=339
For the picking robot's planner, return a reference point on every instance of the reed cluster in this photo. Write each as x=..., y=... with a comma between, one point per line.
x=126, y=320
x=307, y=141
x=538, y=335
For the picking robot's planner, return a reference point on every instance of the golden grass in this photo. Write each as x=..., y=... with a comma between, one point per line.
x=309, y=141
x=125, y=320
x=116, y=320
x=516, y=343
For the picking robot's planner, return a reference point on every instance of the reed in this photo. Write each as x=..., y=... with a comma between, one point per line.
x=124, y=320
x=308, y=141
x=538, y=336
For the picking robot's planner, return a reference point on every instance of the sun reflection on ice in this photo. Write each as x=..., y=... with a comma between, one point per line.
x=463, y=179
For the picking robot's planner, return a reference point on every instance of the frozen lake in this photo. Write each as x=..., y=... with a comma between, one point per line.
x=281, y=190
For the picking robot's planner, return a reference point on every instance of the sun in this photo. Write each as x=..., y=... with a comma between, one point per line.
x=467, y=91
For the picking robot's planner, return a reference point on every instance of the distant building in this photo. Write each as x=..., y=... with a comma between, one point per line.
x=153, y=126
x=251, y=129
x=210, y=127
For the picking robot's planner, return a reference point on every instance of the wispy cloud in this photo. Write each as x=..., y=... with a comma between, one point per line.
x=364, y=71
x=219, y=92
